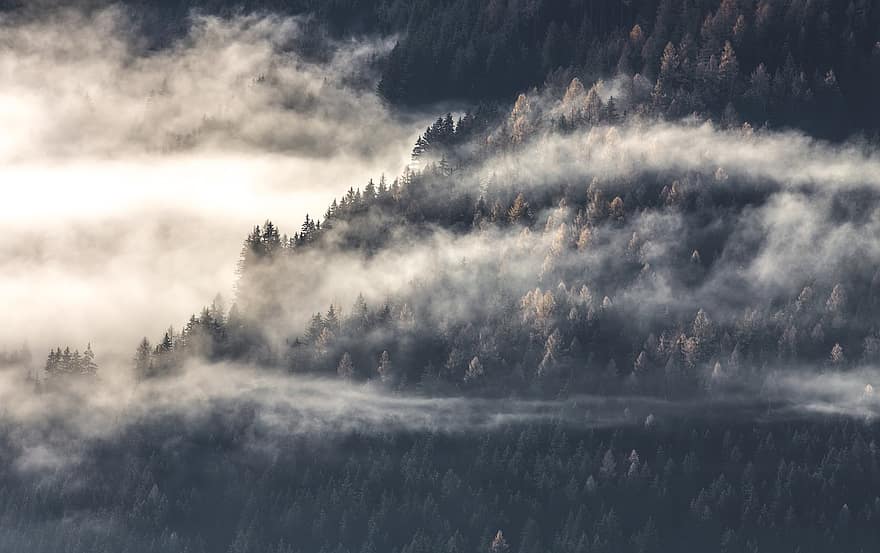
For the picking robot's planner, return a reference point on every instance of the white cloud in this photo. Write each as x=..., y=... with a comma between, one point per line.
x=130, y=176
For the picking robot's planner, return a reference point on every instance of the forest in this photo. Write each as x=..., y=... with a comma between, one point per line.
x=623, y=296
x=808, y=64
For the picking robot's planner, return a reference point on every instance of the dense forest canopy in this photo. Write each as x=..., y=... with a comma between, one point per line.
x=622, y=297
x=794, y=63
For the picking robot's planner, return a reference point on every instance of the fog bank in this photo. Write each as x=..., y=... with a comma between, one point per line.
x=132, y=175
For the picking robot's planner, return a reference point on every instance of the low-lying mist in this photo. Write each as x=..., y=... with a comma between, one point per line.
x=51, y=430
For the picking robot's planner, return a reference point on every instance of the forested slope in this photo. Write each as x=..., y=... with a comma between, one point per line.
x=813, y=65
x=616, y=270
x=626, y=300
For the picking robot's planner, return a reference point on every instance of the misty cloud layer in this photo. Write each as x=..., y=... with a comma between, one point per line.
x=76, y=85
x=785, y=157
x=814, y=223
x=774, y=249
x=132, y=174
x=51, y=431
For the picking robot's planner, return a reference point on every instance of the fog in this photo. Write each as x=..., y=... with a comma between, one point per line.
x=131, y=175
x=51, y=431
x=804, y=231
x=788, y=157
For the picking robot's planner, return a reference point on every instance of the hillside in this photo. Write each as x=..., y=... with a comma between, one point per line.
x=619, y=293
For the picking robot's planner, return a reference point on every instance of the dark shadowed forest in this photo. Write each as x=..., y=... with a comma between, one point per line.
x=813, y=65
x=621, y=295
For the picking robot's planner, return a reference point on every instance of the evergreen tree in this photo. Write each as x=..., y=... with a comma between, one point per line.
x=499, y=544
x=384, y=369
x=143, y=360
x=89, y=367
x=519, y=212
x=345, y=369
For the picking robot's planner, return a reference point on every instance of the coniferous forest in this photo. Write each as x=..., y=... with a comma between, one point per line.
x=621, y=294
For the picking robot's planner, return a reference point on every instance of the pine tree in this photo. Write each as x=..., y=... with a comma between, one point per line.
x=345, y=369
x=593, y=105
x=520, y=120
x=384, y=368
x=499, y=544
x=167, y=343
x=252, y=251
x=369, y=193
x=66, y=361
x=89, y=367
x=609, y=465
x=611, y=116
x=359, y=314
x=474, y=371
x=519, y=212
x=837, y=358
x=143, y=362
x=52, y=362
x=316, y=326
x=573, y=100
x=669, y=79
x=331, y=319
x=728, y=70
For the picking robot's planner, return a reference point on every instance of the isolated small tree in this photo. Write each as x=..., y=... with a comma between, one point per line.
x=359, y=314
x=871, y=348
x=474, y=371
x=345, y=369
x=634, y=464
x=52, y=362
x=384, y=368
x=499, y=544
x=331, y=320
x=668, y=79
x=519, y=212
x=66, y=361
x=616, y=209
x=593, y=106
x=316, y=325
x=837, y=358
x=167, y=343
x=597, y=209
x=837, y=300
x=142, y=360
x=88, y=365
x=271, y=239
x=804, y=298
x=610, y=112
x=728, y=69
x=520, y=119
x=406, y=317
x=324, y=342
x=608, y=469
x=574, y=98
x=703, y=329
x=759, y=89
x=75, y=363
x=584, y=239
